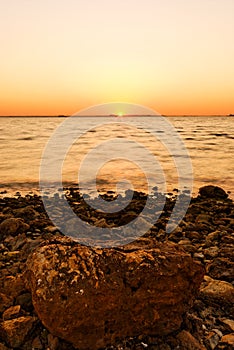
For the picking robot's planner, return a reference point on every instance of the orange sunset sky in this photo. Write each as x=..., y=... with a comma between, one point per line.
x=58, y=56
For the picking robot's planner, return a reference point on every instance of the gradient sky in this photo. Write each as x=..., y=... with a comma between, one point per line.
x=175, y=56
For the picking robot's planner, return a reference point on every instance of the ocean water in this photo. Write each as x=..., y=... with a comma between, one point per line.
x=209, y=141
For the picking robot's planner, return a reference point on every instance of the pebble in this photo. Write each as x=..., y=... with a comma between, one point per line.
x=198, y=255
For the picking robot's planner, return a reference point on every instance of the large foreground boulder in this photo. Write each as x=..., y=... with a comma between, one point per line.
x=91, y=296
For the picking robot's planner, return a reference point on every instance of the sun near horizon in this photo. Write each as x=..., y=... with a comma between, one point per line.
x=59, y=57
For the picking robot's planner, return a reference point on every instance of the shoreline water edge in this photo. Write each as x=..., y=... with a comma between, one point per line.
x=199, y=317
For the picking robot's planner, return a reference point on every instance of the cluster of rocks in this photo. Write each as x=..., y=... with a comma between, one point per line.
x=162, y=291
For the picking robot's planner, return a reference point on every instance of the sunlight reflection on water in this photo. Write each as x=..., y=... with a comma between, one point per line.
x=209, y=140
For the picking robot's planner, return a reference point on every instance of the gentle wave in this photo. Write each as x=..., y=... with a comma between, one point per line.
x=209, y=141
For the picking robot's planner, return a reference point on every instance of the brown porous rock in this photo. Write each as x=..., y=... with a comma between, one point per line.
x=92, y=296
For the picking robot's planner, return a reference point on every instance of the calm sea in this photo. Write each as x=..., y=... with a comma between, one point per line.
x=208, y=139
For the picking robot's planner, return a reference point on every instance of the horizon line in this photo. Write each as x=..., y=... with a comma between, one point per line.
x=109, y=115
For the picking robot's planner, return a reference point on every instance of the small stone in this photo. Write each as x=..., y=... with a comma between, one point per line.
x=25, y=301
x=26, y=213
x=53, y=342
x=184, y=241
x=12, y=254
x=11, y=313
x=36, y=344
x=216, y=291
x=3, y=347
x=229, y=323
x=198, y=255
x=212, y=192
x=211, y=252
x=13, y=286
x=228, y=339
x=193, y=235
x=217, y=331
x=13, y=332
x=51, y=229
x=188, y=342
x=101, y=223
x=18, y=242
x=177, y=232
x=13, y=226
x=203, y=218
x=213, y=236
x=212, y=340
x=2, y=247
x=128, y=217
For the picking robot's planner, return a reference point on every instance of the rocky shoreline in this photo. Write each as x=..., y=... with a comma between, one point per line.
x=206, y=234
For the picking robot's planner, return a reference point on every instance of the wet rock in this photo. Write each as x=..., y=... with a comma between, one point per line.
x=13, y=226
x=212, y=192
x=188, y=342
x=14, y=332
x=215, y=292
x=90, y=296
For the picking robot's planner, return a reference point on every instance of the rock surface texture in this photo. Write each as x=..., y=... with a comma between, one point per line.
x=90, y=296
